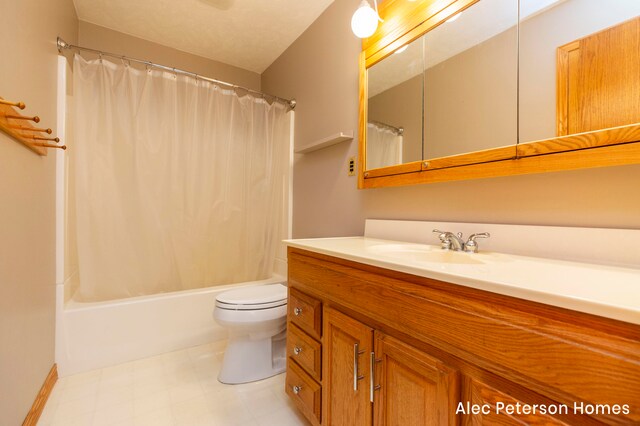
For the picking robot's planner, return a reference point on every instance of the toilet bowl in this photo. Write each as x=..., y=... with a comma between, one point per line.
x=256, y=319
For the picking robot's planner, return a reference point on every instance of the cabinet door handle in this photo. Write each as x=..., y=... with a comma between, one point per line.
x=297, y=350
x=372, y=369
x=296, y=389
x=356, y=377
x=297, y=311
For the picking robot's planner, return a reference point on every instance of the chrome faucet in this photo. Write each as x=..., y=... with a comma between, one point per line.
x=451, y=241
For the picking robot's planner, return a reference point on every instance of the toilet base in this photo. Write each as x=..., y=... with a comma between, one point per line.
x=249, y=360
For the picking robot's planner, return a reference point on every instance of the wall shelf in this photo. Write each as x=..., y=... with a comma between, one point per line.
x=325, y=142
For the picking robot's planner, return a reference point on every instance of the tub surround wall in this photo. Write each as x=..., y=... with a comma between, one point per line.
x=107, y=40
x=27, y=210
x=321, y=70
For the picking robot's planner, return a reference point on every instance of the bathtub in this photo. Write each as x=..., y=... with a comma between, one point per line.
x=102, y=334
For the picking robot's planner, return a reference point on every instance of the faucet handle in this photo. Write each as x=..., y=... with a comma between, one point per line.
x=442, y=233
x=471, y=246
x=445, y=243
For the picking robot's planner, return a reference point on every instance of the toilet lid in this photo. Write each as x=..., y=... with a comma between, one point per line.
x=253, y=297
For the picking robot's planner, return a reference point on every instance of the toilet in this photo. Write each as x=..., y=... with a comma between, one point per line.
x=256, y=318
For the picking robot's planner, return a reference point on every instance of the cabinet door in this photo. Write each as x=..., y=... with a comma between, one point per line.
x=346, y=346
x=479, y=394
x=412, y=388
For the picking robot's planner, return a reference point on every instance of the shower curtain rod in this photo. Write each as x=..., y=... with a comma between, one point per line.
x=397, y=130
x=63, y=45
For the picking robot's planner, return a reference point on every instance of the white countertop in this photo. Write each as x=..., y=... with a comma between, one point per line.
x=607, y=291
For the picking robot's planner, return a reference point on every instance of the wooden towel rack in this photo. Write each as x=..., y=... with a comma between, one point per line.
x=19, y=127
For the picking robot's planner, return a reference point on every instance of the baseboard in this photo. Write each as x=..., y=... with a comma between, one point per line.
x=41, y=399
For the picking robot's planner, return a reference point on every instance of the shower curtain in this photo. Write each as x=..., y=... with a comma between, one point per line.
x=180, y=183
x=384, y=146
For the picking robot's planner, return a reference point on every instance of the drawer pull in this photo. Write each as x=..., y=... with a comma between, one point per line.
x=372, y=386
x=297, y=350
x=297, y=389
x=297, y=311
x=356, y=353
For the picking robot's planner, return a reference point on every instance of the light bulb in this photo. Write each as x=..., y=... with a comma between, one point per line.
x=364, y=21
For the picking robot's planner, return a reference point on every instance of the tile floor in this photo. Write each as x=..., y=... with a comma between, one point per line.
x=177, y=388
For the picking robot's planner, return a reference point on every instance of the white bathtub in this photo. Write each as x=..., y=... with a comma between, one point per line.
x=101, y=334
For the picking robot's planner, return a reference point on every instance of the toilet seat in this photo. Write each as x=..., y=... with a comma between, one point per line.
x=253, y=298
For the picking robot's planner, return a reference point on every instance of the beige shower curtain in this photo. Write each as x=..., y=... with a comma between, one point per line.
x=384, y=146
x=180, y=183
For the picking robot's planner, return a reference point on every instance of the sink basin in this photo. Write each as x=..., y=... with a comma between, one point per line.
x=429, y=254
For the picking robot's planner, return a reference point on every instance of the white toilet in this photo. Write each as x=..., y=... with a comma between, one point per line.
x=256, y=318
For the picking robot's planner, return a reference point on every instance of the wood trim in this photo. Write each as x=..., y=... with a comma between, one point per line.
x=414, y=166
x=477, y=157
x=41, y=399
x=614, y=155
x=597, y=138
x=484, y=156
x=406, y=21
x=562, y=86
x=362, y=121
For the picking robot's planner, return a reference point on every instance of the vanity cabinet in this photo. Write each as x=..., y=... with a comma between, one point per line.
x=482, y=395
x=347, y=346
x=411, y=387
x=400, y=349
x=375, y=379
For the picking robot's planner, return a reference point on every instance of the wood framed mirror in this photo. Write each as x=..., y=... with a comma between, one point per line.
x=464, y=89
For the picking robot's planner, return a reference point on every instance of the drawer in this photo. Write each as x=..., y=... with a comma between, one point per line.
x=305, y=351
x=304, y=391
x=305, y=312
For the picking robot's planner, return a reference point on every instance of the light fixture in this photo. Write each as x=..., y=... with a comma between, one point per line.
x=402, y=49
x=454, y=17
x=365, y=20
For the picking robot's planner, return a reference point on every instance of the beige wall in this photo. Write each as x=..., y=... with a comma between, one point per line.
x=320, y=69
x=401, y=106
x=28, y=73
x=111, y=41
x=470, y=100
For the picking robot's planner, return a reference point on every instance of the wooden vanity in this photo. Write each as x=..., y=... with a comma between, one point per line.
x=368, y=345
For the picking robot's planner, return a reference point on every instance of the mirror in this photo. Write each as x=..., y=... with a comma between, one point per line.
x=470, y=81
x=394, y=122
x=579, y=67
x=485, y=88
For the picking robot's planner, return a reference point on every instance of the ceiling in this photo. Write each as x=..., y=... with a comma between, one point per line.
x=249, y=34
